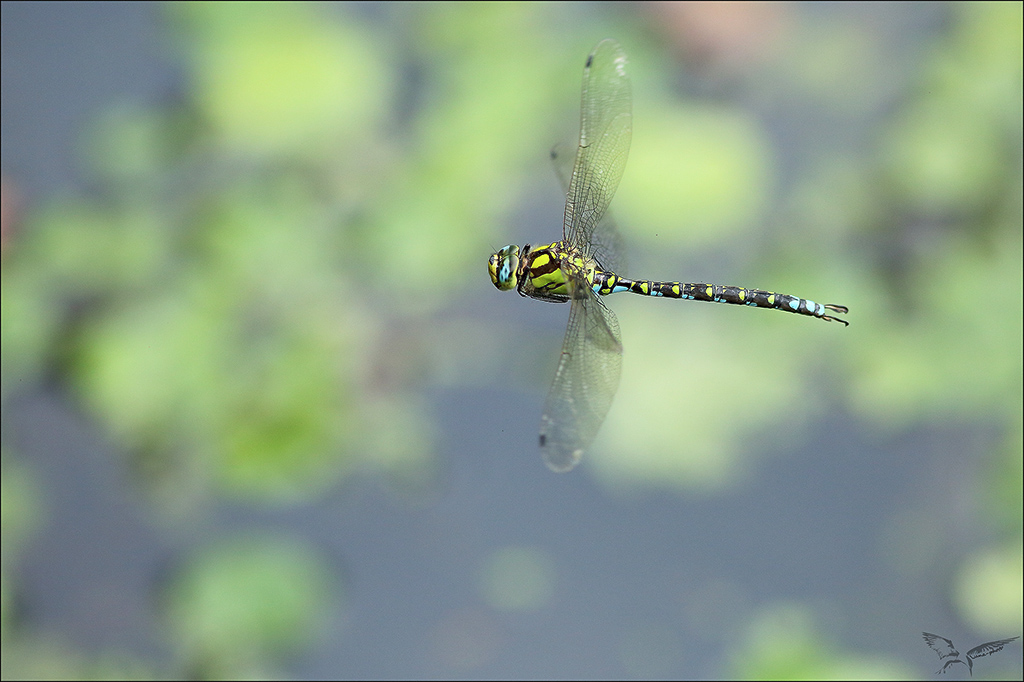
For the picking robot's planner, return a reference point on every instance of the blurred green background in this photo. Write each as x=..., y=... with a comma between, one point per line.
x=264, y=414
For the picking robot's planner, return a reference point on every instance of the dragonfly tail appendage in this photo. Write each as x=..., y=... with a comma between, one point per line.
x=836, y=309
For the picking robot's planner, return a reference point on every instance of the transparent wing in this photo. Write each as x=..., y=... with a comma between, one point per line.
x=606, y=128
x=585, y=382
x=605, y=241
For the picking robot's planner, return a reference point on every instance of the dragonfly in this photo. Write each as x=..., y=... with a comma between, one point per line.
x=584, y=266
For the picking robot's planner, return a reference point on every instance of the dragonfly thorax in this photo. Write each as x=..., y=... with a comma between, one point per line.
x=551, y=272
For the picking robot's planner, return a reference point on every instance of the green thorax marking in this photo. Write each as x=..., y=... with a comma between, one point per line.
x=543, y=271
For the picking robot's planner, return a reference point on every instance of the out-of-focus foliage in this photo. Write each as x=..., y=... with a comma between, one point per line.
x=272, y=270
x=19, y=518
x=245, y=304
x=988, y=590
x=697, y=176
x=254, y=287
x=20, y=511
x=716, y=385
x=284, y=79
x=517, y=579
x=953, y=149
x=53, y=659
x=781, y=643
x=950, y=165
x=923, y=301
x=237, y=606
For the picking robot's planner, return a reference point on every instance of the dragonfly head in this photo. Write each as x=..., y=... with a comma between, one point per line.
x=504, y=268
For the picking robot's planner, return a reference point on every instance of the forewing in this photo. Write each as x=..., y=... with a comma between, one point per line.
x=562, y=162
x=585, y=382
x=606, y=128
x=606, y=245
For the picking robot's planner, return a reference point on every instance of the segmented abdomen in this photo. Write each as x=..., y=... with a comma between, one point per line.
x=609, y=283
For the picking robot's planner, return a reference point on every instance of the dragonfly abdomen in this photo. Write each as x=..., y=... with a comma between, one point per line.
x=609, y=283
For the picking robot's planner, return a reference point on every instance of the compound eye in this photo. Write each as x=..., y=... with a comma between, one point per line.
x=503, y=267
